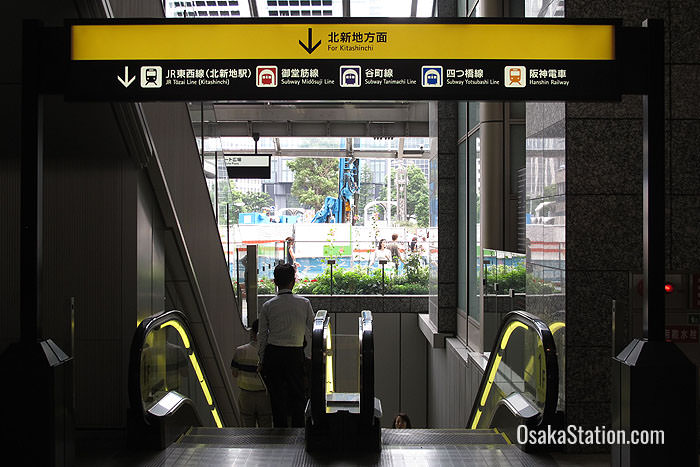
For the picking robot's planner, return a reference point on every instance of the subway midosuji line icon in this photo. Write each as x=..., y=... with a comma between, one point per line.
x=266, y=76
x=431, y=76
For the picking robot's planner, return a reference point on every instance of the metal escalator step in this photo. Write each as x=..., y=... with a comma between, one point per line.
x=414, y=437
x=248, y=436
x=205, y=430
x=243, y=437
x=267, y=446
x=420, y=437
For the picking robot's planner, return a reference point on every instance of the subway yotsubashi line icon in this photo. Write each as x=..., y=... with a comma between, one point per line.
x=266, y=76
x=431, y=76
x=151, y=76
x=350, y=76
x=515, y=77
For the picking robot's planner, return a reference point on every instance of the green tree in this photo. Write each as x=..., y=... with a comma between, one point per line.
x=256, y=200
x=246, y=202
x=314, y=179
x=422, y=210
x=417, y=195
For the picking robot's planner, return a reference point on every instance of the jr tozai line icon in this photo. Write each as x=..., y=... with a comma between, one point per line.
x=151, y=76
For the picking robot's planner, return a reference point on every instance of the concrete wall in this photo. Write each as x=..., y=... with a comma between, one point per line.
x=399, y=362
x=101, y=252
x=400, y=350
x=90, y=225
x=97, y=217
x=454, y=375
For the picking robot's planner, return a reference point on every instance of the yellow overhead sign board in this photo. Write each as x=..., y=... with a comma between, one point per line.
x=528, y=59
x=372, y=41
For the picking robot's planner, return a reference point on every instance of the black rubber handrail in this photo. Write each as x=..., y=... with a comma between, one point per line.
x=366, y=368
x=318, y=366
x=319, y=351
x=147, y=326
x=551, y=365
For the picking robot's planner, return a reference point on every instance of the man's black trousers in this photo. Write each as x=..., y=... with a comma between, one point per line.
x=283, y=372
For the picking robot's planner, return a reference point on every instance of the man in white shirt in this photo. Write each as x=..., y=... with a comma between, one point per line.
x=285, y=322
x=252, y=399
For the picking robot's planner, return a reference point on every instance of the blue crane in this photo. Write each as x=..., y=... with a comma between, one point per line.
x=340, y=209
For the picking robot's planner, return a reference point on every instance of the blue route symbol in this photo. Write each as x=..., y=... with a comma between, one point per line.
x=350, y=76
x=431, y=76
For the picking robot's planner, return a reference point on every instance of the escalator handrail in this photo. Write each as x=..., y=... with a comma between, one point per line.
x=366, y=368
x=551, y=363
x=147, y=326
x=318, y=366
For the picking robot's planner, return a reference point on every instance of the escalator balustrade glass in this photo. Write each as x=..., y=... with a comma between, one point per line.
x=169, y=367
x=522, y=373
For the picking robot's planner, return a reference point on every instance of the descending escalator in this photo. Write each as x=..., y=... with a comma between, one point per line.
x=520, y=386
x=169, y=393
x=168, y=390
x=342, y=421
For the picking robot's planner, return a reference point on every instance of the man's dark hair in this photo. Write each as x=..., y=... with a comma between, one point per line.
x=254, y=327
x=394, y=236
x=284, y=274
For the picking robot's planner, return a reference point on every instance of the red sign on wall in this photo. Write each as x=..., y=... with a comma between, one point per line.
x=682, y=334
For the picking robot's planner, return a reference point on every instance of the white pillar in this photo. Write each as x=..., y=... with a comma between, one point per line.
x=387, y=214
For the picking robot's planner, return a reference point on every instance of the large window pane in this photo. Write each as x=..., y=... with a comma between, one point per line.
x=474, y=174
x=462, y=228
x=388, y=8
x=473, y=114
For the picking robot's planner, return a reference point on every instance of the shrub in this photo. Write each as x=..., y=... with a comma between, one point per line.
x=266, y=286
x=361, y=281
x=540, y=287
x=507, y=277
